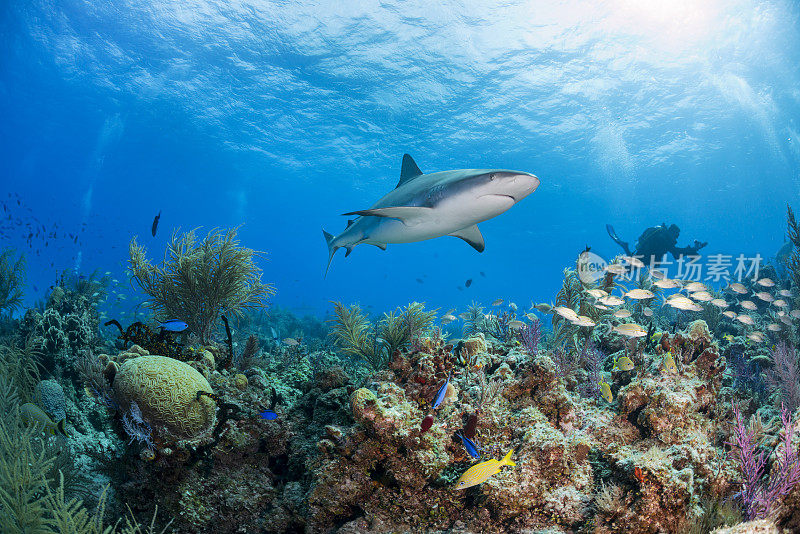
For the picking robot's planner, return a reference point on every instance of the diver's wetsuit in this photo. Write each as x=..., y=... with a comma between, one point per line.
x=657, y=241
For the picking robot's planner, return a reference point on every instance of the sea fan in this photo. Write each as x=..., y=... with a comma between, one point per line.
x=746, y=375
x=530, y=335
x=758, y=496
x=593, y=360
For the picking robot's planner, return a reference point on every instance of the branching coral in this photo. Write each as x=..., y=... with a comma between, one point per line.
x=249, y=354
x=399, y=327
x=200, y=280
x=93, y=287
x=12, y=274
x=746, y=374
x=136, y=427
x=489, y=390
x=355, y=334
x=473, y=322
x=499, y=326
x=24, y=465
x=21, y=366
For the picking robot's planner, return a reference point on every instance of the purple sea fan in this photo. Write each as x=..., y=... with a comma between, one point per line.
x=757, y=498
x=593, y=359
x=530, y=335
x=785, y=375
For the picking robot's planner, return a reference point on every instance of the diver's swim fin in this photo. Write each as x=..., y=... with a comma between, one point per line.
x=613, y=235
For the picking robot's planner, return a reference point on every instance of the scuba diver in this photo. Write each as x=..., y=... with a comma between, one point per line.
x=656, y=241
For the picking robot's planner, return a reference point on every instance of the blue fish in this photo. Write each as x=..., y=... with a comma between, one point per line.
x=472, y=449
x=174, y=325
x=269, y=415
x=440, y=394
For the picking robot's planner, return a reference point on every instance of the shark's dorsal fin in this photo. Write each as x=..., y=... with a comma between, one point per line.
x=349, y=223
x=472, y=235
x=408, y=170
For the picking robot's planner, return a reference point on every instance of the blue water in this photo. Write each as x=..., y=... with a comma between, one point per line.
x=280, y=116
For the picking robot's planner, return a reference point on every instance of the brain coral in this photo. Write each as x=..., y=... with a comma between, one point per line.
x=49, y=395
x=165, y=390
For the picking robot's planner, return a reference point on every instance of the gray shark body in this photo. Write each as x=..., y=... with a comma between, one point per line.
x=424, y=206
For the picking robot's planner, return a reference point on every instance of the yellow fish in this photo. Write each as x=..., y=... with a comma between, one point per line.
x=669, y=364
x=623, y=363
x=32, y=415
x=479, y=473
x=605, y=391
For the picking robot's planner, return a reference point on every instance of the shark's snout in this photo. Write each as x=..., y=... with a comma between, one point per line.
x=518, y=185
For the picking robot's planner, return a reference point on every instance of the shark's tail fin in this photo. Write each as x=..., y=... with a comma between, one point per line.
x=331, y=249
x=613, y=235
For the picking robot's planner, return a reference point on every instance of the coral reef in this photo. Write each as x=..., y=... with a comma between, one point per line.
x=684, y=426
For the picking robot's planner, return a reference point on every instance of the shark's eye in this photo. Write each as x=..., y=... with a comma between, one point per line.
x=491, y=176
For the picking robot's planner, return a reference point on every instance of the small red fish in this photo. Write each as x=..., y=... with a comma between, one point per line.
x=640, y=475
x=427, y=423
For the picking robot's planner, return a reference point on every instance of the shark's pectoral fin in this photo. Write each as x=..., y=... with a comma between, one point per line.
x=471, y=235
x=366, y=241
x=409, y=215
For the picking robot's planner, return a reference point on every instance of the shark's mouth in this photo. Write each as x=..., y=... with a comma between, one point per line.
x=500, y=196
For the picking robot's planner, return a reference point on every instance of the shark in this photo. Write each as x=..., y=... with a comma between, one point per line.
x=426, y=206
